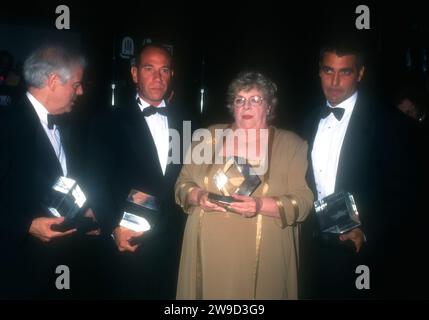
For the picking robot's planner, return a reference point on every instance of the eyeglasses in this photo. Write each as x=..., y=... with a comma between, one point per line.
x=254, y=101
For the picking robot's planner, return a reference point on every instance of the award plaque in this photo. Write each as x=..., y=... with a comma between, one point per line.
x=337, y=213
x=141, y=213
x=236, y=177
x=66, y=199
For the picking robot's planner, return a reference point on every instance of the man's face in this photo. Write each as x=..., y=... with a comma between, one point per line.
x=64, y=95
x=339, y=77
x=153, y=75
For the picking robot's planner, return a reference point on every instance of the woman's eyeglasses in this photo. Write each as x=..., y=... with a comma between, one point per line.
x=254, y=101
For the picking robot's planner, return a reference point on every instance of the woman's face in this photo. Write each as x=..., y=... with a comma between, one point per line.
x=250, y=109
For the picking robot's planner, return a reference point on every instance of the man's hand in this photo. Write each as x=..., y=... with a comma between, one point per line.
x=122, y=236
x=90, y=214
x=41, y=229
x=357, y=236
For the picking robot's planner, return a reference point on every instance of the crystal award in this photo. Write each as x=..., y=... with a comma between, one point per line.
x=337, y=213
x=236, y=177
x=66, y=199
x=141, y=213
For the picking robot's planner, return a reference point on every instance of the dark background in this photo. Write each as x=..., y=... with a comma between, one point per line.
x=279, y=39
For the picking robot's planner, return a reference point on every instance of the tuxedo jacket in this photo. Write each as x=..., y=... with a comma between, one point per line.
x=123, y=156
x=358, y=158
x=374, y=166
x=28, y=170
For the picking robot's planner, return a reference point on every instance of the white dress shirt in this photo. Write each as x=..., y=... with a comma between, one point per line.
x=158, y=126
x=53, y=134
x=327, y=147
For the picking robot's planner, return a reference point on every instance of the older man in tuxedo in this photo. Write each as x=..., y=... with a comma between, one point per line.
x=35, y=152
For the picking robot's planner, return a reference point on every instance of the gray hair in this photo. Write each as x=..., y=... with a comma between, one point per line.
x=249, y=80
x=51, y=59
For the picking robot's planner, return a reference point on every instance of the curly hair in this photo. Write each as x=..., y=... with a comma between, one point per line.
x=248, y=80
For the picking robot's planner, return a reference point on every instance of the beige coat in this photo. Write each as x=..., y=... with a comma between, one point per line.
x=227, y=256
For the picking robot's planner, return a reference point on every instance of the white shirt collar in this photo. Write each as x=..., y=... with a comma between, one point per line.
x=41, y=111
x=143, y=104
x=347, y=104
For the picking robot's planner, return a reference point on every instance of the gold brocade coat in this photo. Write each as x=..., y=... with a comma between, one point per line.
x=227, y=256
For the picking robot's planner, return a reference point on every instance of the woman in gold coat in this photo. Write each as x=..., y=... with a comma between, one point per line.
x=246, y=249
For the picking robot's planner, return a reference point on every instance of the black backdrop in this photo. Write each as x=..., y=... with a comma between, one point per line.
x=281, y=39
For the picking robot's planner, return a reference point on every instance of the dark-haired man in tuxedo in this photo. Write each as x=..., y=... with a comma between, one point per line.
x=354, y=147
x=130, y=148
x=35, y=152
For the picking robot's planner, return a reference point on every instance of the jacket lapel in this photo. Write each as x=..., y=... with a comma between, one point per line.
x=354, y=149
x=41, y=149
x=138, y=135
x=311, y=131
x=39, y=166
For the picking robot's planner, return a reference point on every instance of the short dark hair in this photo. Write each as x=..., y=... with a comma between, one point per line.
x=344, y=44
x=136, y=60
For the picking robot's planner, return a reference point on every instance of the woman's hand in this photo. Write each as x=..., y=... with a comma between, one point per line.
x=246, y=206
x=207, y=205
x=199, y=197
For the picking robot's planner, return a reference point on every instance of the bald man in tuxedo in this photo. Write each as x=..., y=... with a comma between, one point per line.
x=130, y=149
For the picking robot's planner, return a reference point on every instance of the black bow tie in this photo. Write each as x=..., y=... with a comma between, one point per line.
x=148, y=111
x=338, y=112
x=57, y=120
